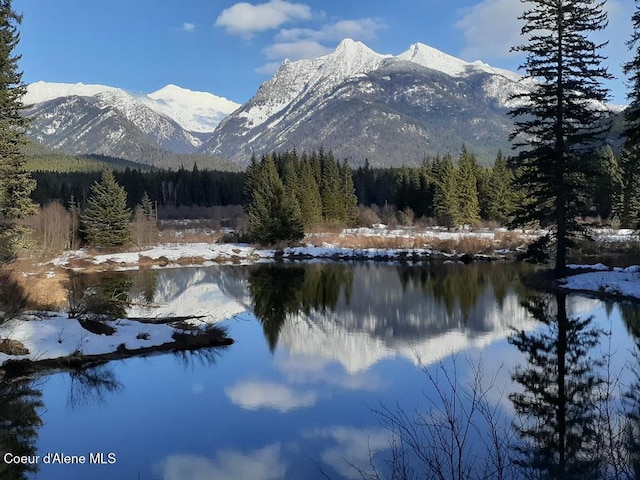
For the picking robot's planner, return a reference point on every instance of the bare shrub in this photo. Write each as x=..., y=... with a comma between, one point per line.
x=425, y=222
x=367, y=216
x=406, y=217
x=388, y=215
x=458, y=434
x=463, y=244
x=51, y=228
x=12, y=296
x=145, y=231
x=508, y=239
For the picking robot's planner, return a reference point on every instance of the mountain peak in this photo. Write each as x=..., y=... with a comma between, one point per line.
x=434, y=59
x=349, y=44
x=39, y=92
x=354, y=49
x=430, y=57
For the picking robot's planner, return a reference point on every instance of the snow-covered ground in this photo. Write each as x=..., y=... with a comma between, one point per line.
x=202, y=253
x=613, y=281
x=57, y=335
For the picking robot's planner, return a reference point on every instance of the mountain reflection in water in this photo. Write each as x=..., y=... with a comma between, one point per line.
x=319, y=349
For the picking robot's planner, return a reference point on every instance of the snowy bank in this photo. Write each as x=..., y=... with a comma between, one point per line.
x=55, y=336
x=617, y=282
x=237, y=254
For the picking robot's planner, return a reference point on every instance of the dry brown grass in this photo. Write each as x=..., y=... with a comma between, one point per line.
x=509, y=239
x=357, y=241
x=189, y=236
x=463, y=244
x=43, y=286
x=470, y=245
x=12, y=347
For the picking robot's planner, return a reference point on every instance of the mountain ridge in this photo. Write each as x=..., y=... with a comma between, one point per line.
x=389, y=110
x=363, y=105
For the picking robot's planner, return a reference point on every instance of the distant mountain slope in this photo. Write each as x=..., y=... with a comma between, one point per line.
x=364, y=105
x=97, y=119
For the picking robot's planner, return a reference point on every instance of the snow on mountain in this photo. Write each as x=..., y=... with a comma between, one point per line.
x=198, y=112
x=363, y=104
x=194, y=111
x=292, y=79
x=40, y=92
x=429, y=57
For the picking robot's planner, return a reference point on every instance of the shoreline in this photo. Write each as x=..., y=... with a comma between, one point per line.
x=596, y=281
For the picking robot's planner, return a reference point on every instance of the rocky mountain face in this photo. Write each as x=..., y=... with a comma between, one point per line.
x=361, y=105
x=96, y=119
x=364, y=105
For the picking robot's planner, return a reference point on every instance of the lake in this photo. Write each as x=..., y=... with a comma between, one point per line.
x=444, y=370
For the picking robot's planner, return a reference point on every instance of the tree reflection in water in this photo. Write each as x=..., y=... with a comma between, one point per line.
x=20, y=400
x=559, y=406
x=631, y=316
x=108, y=295
x=278, y=292
x=90, y=386
x=462, y=286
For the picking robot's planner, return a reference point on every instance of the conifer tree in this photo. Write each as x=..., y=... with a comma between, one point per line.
x=272, y=216
x=500, y=198
x=467, y=188
x=145, y=228
x=555, y=122
x=609, y=185
x=330, y=189
x=16, y=184
x=105, y=221
x=632, y=70
x=445, y=196
x=308, y=193
x=630, y=161
x=349, y=214
x=629, y=211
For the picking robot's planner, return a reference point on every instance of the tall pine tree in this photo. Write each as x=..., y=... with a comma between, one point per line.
x=556, y=123
x=500, y=198
x=16, y=184
x=630, y=161
x=105, y=221
x=445, y=196
x=273, y=215
x=467, y=188
x=632, y=70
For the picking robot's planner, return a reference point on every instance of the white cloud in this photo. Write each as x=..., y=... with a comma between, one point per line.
x=245, y=19
x=352, y=447
x=261, y=395
x=296, y=50
x=268, y=68
x=307, y=369
x=308, y=43
x=262, y=464
x=359, y=29
x=188, y=27
x=491, y=28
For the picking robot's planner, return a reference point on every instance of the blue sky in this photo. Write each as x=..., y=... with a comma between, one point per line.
x=229, y=48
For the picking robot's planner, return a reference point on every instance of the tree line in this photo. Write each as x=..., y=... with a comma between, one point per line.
x=285, y=193
x=317, y=189
x=181, y=187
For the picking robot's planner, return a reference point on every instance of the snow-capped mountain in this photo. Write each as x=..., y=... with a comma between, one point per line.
x=360, y=104
x=365, y=105
x=194, y=111
x=80, y=119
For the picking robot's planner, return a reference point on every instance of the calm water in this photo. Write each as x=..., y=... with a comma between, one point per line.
x=321, y=352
